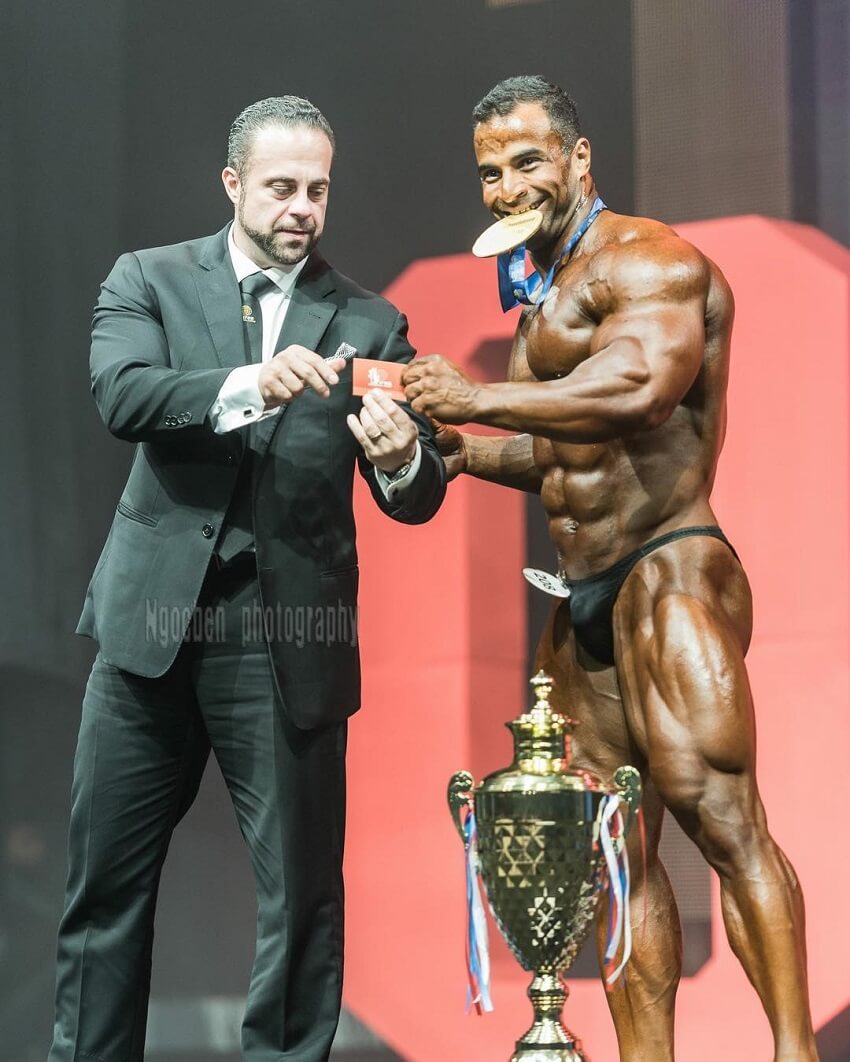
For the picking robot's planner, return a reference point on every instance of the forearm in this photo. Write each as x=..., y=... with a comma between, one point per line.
x=140, y=395
x=626, y=387
x=508, y=461
x=585, y=407
x=146, y=403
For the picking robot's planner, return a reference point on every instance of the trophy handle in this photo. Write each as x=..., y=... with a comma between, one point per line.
x=460, y=796
x=628, y=783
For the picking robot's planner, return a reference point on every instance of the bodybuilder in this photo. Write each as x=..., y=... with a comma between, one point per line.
x=616, y=393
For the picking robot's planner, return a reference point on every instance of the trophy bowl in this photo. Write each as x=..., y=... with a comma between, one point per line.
x=542, y=831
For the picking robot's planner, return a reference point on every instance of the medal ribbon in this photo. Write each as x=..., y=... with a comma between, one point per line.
x=515, y=287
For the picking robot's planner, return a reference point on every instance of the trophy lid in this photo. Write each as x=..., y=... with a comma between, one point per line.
x=542, y=750
x=541, y=720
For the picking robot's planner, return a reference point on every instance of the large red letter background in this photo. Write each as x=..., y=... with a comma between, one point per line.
x=443, y=633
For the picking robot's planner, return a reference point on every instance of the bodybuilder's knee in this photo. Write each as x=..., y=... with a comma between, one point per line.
x=731, y=832
x=719, y=811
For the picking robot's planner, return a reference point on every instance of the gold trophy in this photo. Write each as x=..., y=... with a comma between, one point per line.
x=545, y=839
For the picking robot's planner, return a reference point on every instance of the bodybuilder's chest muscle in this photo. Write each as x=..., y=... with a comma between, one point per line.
x=557, y=336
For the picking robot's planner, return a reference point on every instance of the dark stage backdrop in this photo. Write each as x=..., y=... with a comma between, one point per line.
x=115, y=118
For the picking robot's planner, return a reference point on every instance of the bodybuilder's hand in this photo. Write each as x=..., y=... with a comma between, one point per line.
x=285, y=376
x=385, y=431
x=439, y=389
x=450, y=443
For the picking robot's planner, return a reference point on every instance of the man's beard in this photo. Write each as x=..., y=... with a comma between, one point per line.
x=270, y=243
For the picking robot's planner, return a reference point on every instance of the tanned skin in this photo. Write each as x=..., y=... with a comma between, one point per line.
x=617, y=390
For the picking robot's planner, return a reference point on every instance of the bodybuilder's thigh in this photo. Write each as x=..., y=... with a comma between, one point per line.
x=682, y=624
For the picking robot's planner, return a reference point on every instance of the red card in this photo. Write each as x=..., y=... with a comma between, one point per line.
x=371, y=375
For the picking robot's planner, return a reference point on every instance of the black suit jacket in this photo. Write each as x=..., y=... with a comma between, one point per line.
x=167, y=331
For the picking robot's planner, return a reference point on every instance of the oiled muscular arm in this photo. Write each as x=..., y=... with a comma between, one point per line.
x=643, y=357
x=506, y=460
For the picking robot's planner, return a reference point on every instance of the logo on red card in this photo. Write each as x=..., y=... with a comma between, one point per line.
x=370, y=375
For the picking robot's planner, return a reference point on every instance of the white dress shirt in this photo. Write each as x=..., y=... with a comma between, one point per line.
x=239, y=401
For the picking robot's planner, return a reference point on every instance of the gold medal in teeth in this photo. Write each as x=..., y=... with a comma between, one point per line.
x=506, y=233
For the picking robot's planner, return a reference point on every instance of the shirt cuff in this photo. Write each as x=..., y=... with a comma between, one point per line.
x=239, y=401
x=393, y=489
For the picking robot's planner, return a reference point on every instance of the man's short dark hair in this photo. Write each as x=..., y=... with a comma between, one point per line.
x=286, y=111
x=532, y=88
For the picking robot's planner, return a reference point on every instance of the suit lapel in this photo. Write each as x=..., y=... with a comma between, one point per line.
x=307, y=318
x=220, y=301
x=309, y=312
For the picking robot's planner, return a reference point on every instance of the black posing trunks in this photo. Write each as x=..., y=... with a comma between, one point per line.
x=592, y=600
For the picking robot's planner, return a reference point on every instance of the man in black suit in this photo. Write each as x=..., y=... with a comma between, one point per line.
x=224, y=602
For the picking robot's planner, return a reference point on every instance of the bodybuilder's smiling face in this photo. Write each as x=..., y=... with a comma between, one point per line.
x=522, y=164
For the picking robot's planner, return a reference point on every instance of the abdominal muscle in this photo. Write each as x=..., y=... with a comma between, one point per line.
x=604, y=500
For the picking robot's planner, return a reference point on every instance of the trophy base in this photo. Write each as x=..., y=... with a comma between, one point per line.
x=548, y=1040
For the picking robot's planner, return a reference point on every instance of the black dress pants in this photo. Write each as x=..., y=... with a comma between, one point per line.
x=142, y=749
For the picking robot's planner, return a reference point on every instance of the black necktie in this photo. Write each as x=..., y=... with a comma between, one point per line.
x=252, y=288
x=237, y=534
